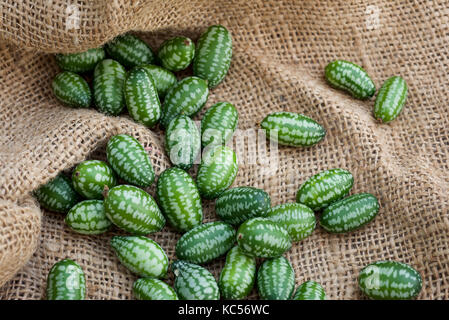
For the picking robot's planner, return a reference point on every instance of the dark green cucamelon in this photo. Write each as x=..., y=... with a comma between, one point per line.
x=153, y=289
x=263, y=238
x=177, y=53
x=163, y=78
x=91, y=177
x=179, y=199
x=292, y=129
x=88, y=217
x=350, y=213
x=391, y=99
x=236, y=205
x=351, y=78
x=205, y=242
x=325, y=188
x=133, y=210
x=109, y=79
x=182, y=141
x=130, y=51
x=218, y=124
x=142, y=100
x=193, y=282
x=276, y=279
x=66, y=281
x=57, y=195
x=141, y=255
x=390, y=280
x=129, y=160
x=187, y=97
x=217, y=171
x=80, y=62
x=296, y=218
x=238, y=275
x=72, y=90
x=213, y=55
x=310, y=290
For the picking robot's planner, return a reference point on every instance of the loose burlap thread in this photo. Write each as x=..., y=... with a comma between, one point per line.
x=280, y=50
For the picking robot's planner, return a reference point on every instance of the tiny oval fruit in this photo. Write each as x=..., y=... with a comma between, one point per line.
x=88, y=217
x=163, y=78
x=153, y=289
x=72, y=90
x=391, y=99
x=66, y=281
x=176, y=54
x=310, y=290
x=276, y=279
x=130, y=51
x=109, y=79
x=80, y=62
x=91, y=177
x=57, y=195
x=218, y=124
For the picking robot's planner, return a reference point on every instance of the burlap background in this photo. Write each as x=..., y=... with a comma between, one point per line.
x=280, y=50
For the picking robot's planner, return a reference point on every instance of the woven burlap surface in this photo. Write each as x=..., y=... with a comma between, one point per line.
x=280, y=50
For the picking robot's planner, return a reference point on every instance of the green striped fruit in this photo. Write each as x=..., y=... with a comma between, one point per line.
x=179, y=199
x=141, y=255
x=390, y=280
x=80, y=62
x=238, y=275
x=276, y=279
x=153, y=289
x=292, y=129
x=194, y=282
x=351, y=78
x=296, y=218
x=218, y=124
x=133, y=210
x=205, y=242
x=176, y=54
x=182, y=141
x=187, y=97
x=263, y=238
x=239, y=204
x=310, y=290
x=163, y=79
x=91, y=177
x=142, y=100
x=213, y=55
x=325, y=188
x=72, y=90
x=216, y=172
x=390, y=99
x=130, y=51
x=66, y=281
x=350, y=213
x=88, y=217
x=57, y=195
x=129, y=160
x=109, y=79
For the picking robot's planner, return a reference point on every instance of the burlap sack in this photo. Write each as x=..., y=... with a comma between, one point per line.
x=280, y=50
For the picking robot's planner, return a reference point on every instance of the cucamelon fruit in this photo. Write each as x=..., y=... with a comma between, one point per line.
x=296, y=218
x=163, y=78
x=109, y=79
x=238, y=275
x=310, y=290
x=80, y=62
x=350, y=213
x=129, y=160
x=141, y=255
x=325, y=188
x=391, y=99
x=179, y=199
x=130, y=51
x=176, y=54
x=276, y=279
x=218, y=124
x=72, y=90
x=292, y=129
x=213, y=55
x=142, y=100
x=133, y=210
x=390, y=280
x=205, y=242
x=239, y=204
x=66, y=281
x=153, y=289
x=351, y=78
x=88, y=217
x=193, y=282
x=57, y=195
x=263, y=238
x=91, y=177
